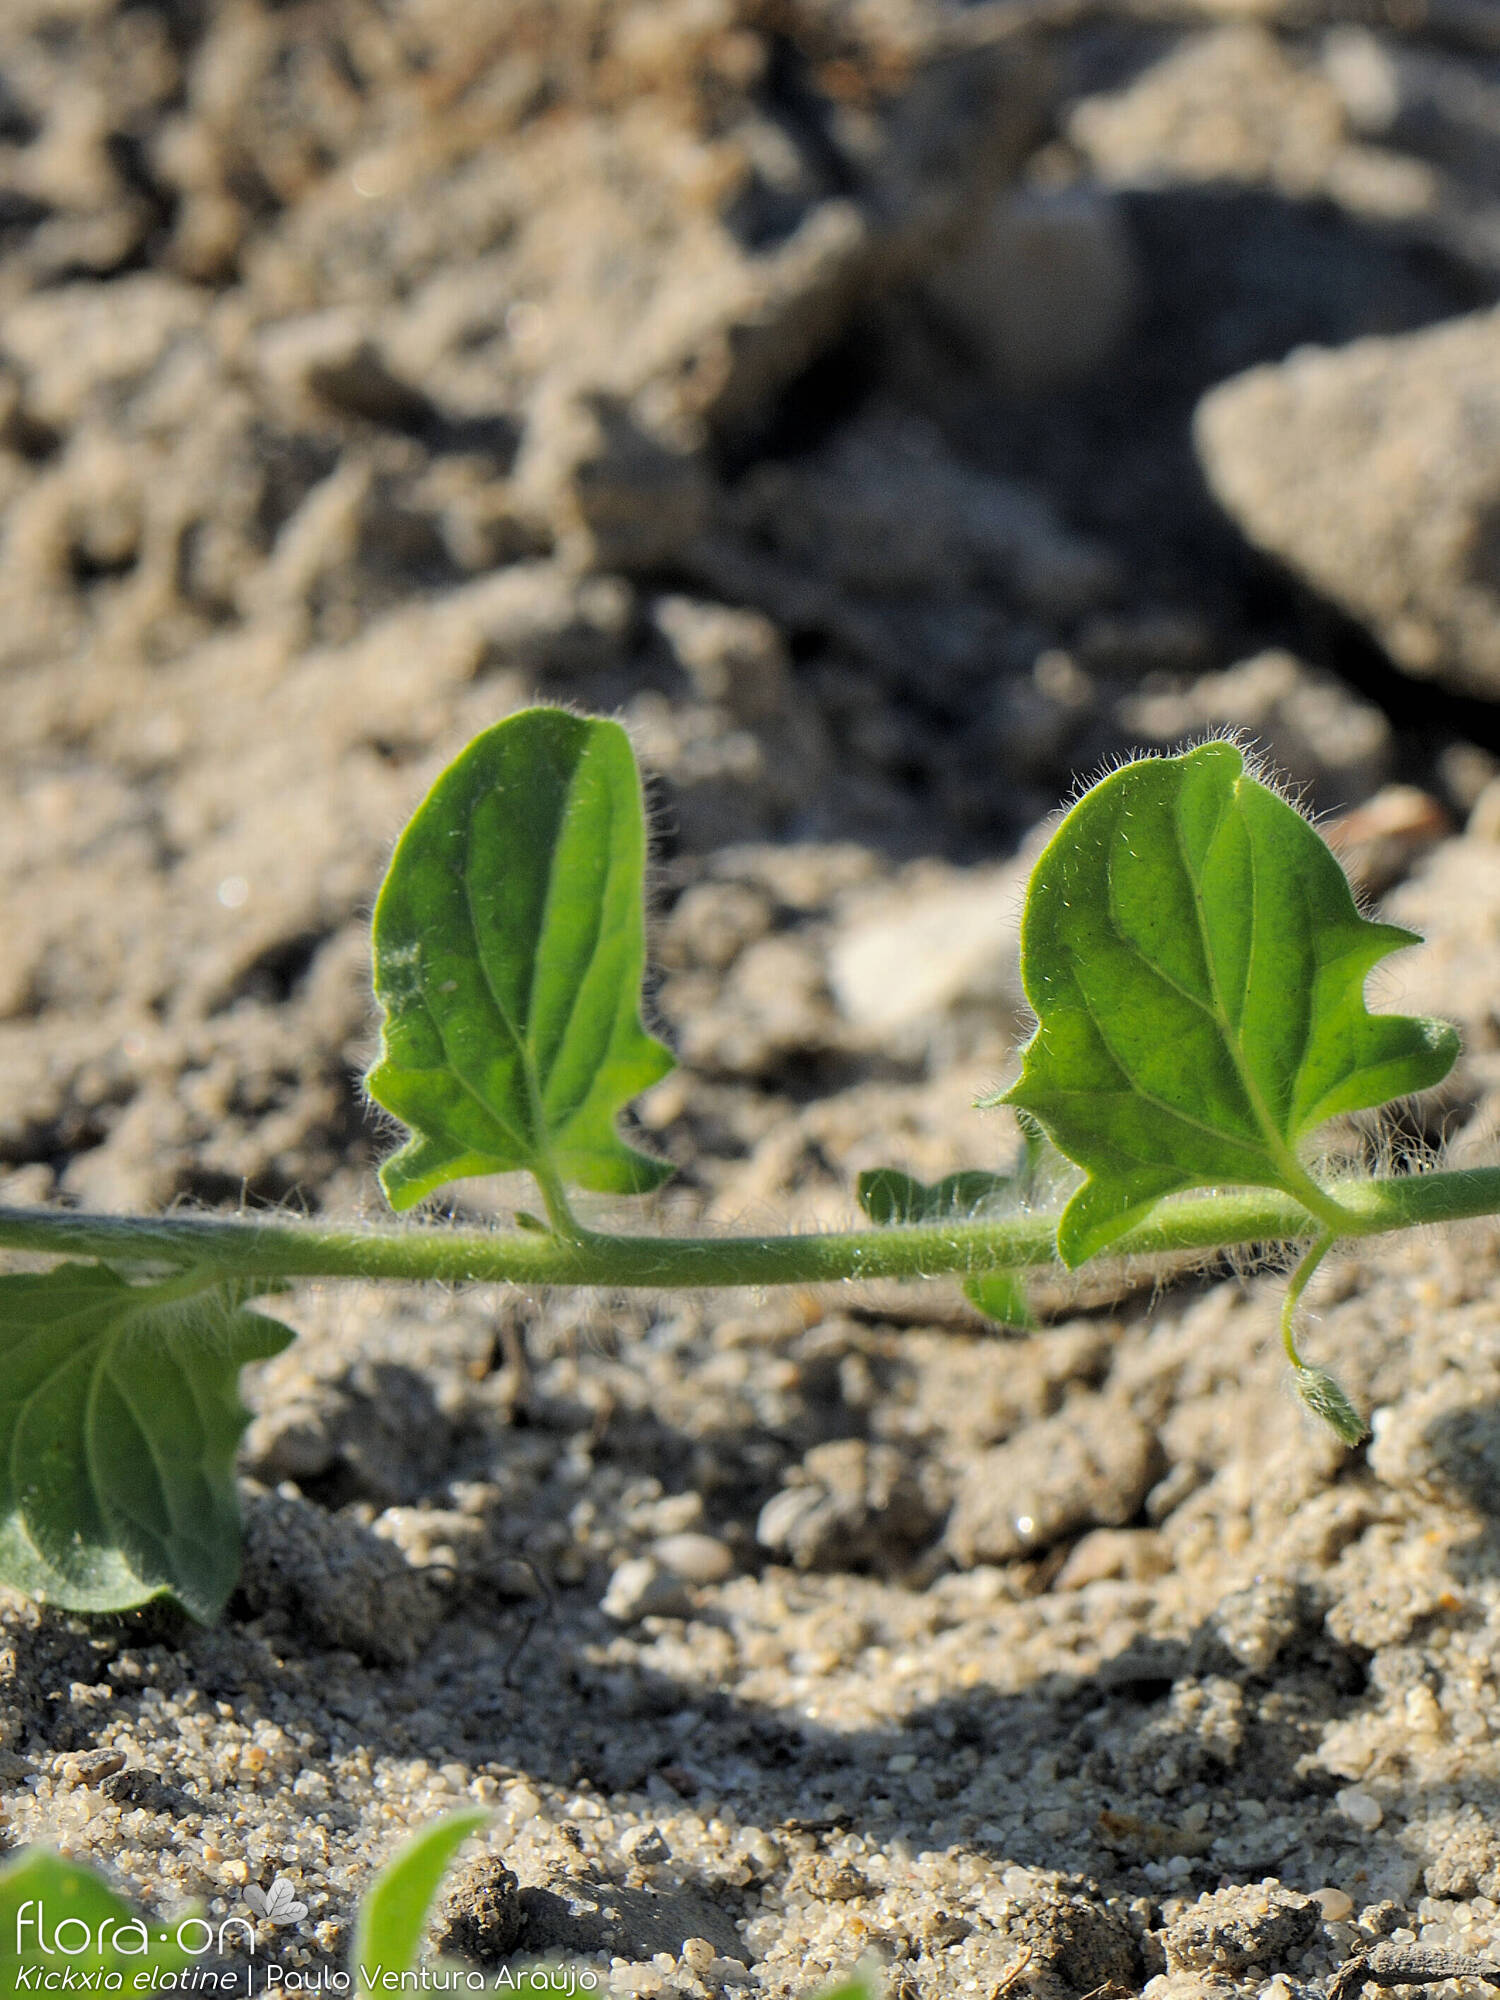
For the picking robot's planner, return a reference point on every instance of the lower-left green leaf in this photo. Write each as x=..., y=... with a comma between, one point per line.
x=119, y=1418
x=63, y=1926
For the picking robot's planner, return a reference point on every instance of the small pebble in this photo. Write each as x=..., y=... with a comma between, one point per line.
x=1359, y=1808
x=91, y=1768
x=1335, y=1904
x=759, y=1848
x=482, y=1911
x=693, y=1557
x=639, y=1589
x=698, y=1954
x=645, y=1845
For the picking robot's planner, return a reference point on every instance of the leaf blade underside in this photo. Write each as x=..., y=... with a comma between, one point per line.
x=119, y=1420
x=509, y=946
x=1196, y=962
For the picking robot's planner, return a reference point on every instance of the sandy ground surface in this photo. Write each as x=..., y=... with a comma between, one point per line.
x=814, y=386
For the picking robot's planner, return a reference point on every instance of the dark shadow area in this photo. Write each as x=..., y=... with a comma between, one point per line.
x=1231, y=278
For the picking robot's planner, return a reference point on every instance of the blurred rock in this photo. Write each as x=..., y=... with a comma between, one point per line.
x=1090, y=1466
x=1453, y=902
x=1232, y=104
x=1045, y=291
x=330, y=1577
x=1381, y=841
x=887, y=509
x=1484, y=817
x=331, y=358
x=1313, y=731
x=848, y=1504
x=1429, y=102
x=731, y=656
x=75, y=361
x=927, y=946
x=1372, y=472
x=616, y=496
x=696, y=1558
x=1136, y=1554
x=1226, y=104
x=641, y=1588
x=772, y=1001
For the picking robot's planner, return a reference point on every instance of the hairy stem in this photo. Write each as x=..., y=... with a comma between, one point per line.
x=1296, y=1286
x=565, y=1223
x=251, y=1248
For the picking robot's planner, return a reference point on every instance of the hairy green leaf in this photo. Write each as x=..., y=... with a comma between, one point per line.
x=890, y=1197
x=119, y=1418
x=1197, y=966
x=39, y=1892
x=394, y=1913
x=1002, y=1297
x=509, y=942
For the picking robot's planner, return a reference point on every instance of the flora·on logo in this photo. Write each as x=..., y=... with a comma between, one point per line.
x=278, y=1904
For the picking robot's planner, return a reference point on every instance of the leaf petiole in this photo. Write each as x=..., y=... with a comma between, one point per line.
x=1296, y=1285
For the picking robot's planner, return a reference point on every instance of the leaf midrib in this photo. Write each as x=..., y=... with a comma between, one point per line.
x=597, y=924
x=99, y=1303
x=117, y=1313
x=1282, y=1157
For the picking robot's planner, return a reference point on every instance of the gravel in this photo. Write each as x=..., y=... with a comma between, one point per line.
x=362, y=381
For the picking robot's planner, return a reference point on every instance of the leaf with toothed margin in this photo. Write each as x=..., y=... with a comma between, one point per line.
x=119, y=1419
x=890, y=1197
x=1197, y=966
x=509, y=945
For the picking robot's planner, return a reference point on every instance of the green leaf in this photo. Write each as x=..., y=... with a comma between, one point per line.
x=39, y=1891
x=393, y=1915
x=1001, y=1296
x=1197, y=966
x=890, y=1197
x=119, y=1418
x=509, y=942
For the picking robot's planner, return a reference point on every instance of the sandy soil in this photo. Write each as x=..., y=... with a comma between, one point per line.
x=812, y=385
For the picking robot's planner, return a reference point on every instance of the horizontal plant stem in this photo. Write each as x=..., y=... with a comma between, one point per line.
x=249, y=1248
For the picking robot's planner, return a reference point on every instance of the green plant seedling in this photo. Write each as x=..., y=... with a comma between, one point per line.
x=509, y=944
x=1197, y=965
x=55, y=1916
x=119, y=1418
x=393, y=1916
